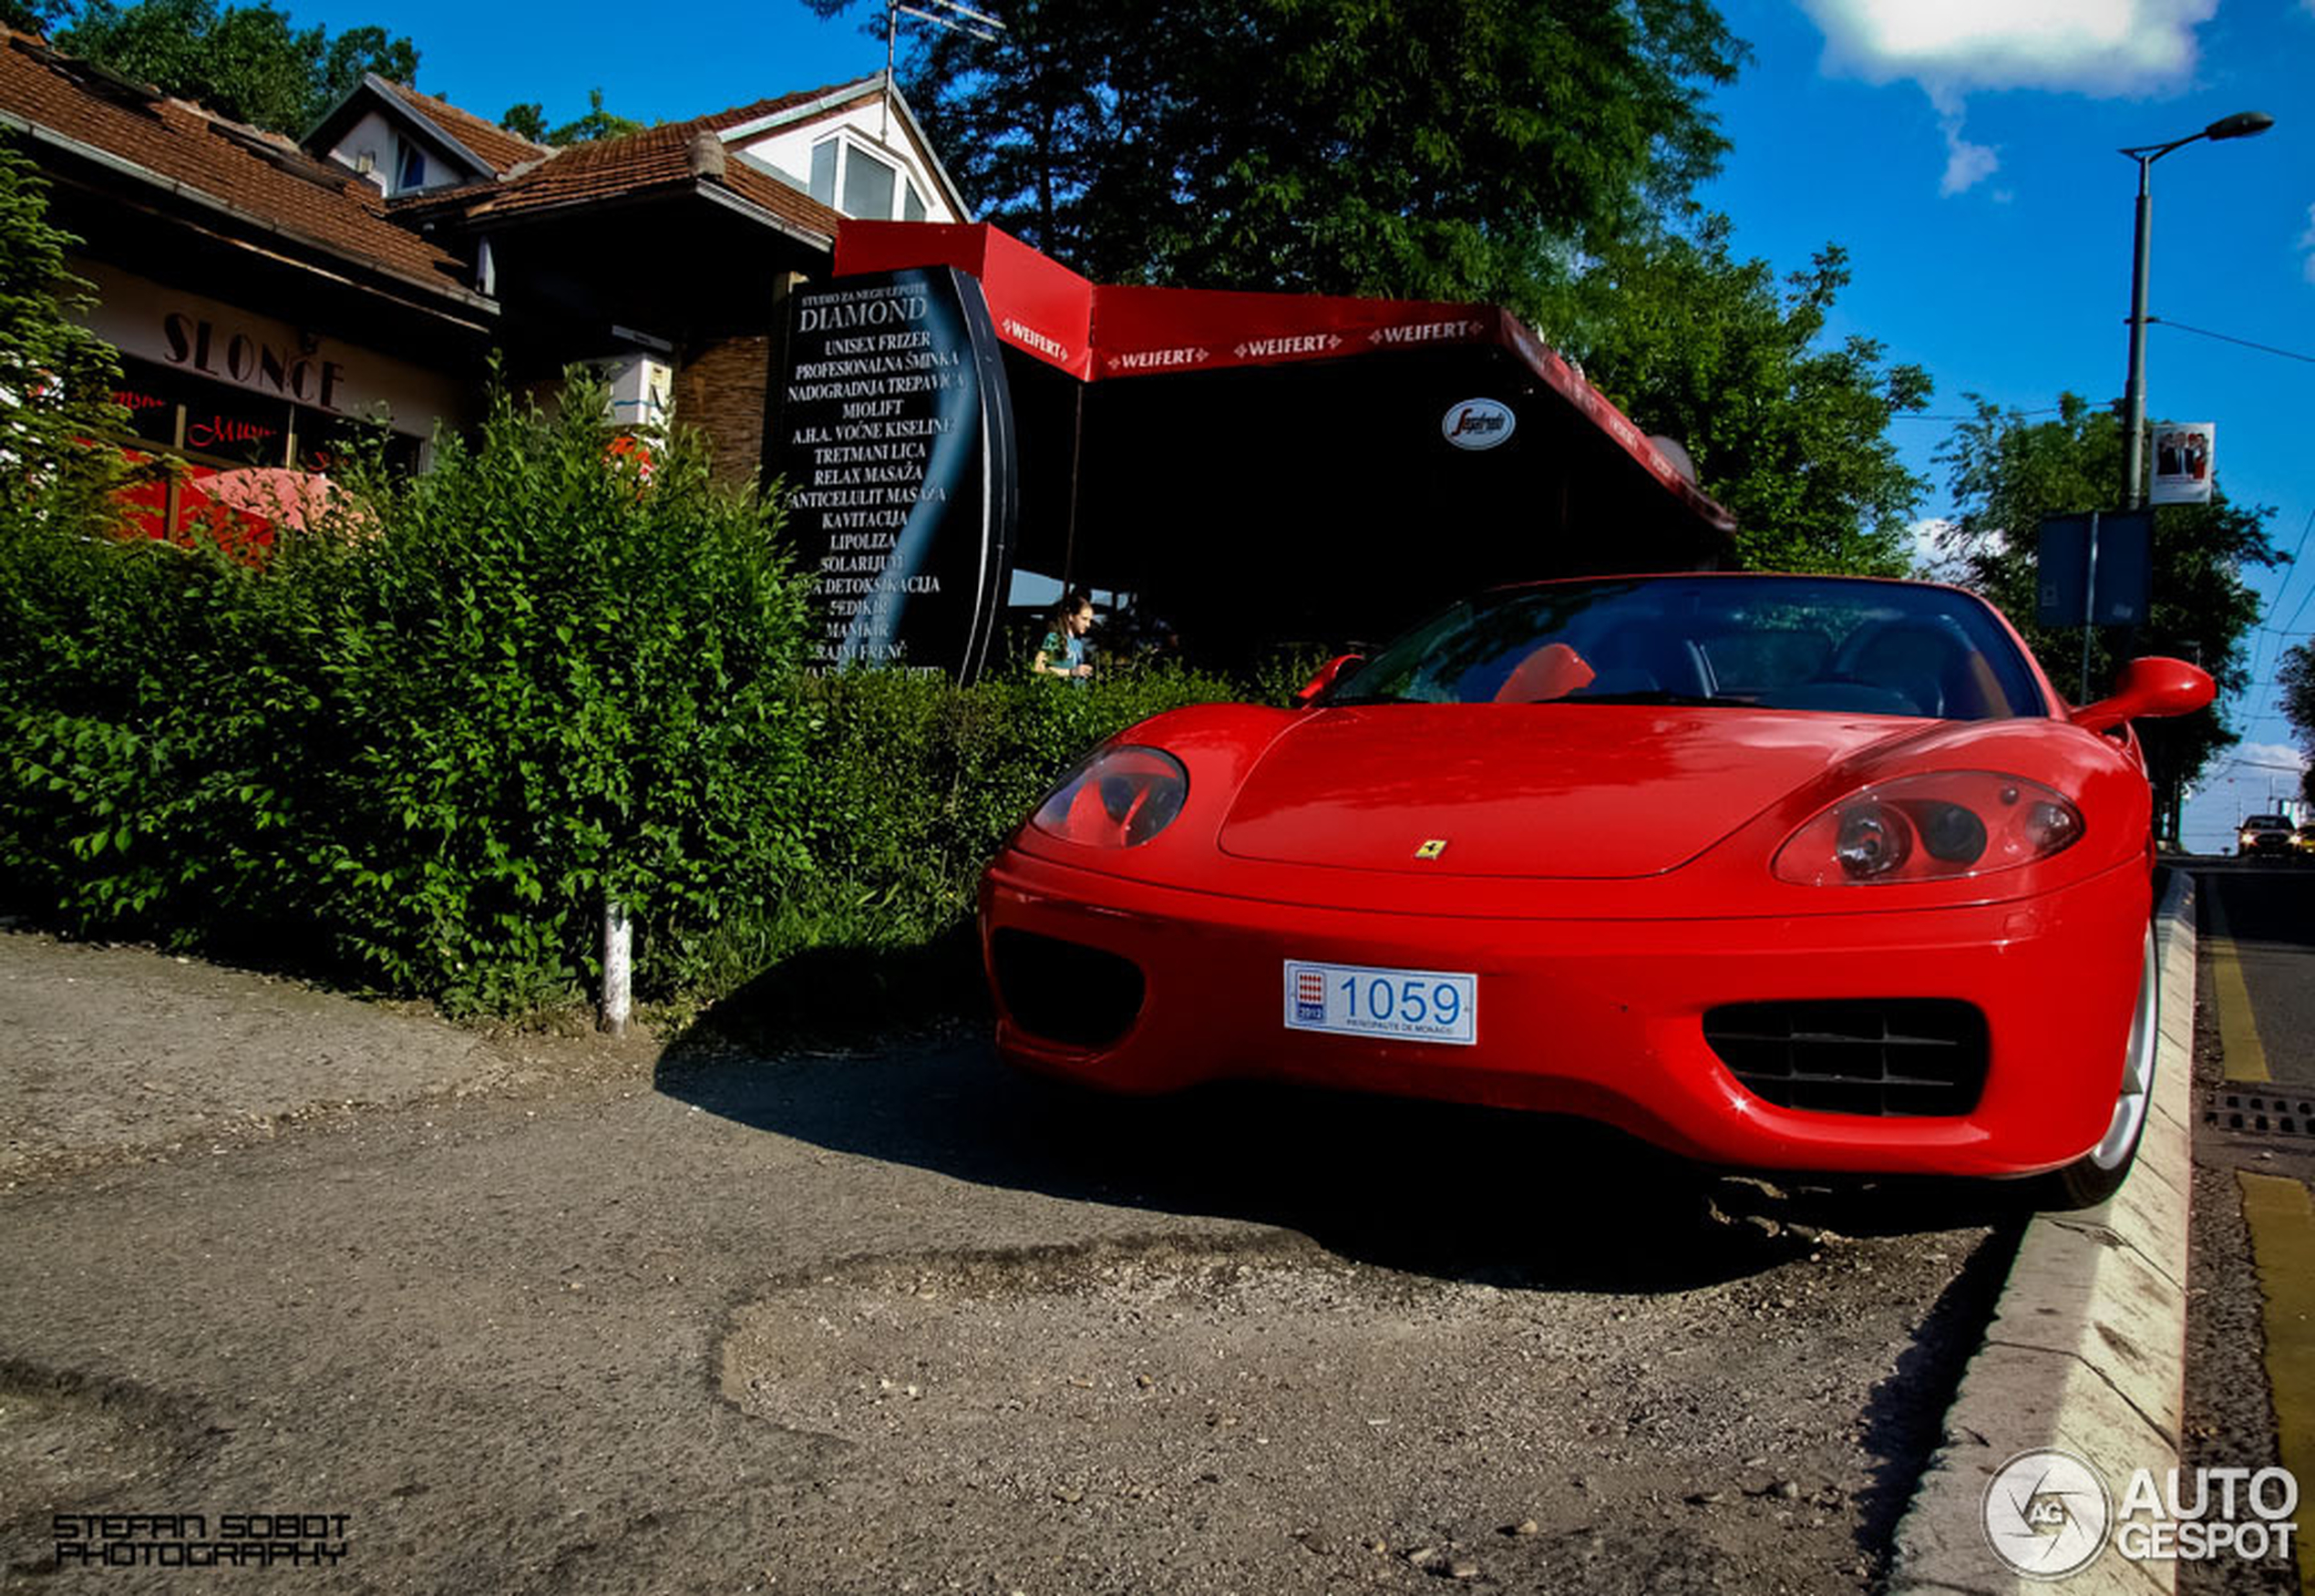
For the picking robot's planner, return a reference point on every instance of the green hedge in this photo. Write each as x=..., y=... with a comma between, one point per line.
x=423, y=742
x=420, y=745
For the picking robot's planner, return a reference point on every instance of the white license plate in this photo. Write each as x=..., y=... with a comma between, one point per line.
x=1367, y=1000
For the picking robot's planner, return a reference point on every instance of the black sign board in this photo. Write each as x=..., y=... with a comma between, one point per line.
x=896, y=442
x=2119, y=544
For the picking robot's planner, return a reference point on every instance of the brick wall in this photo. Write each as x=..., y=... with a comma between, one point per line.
x=721, y=391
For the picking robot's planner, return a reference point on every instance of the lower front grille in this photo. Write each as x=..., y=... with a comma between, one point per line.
x=1887, y=1057
x=1065, y=991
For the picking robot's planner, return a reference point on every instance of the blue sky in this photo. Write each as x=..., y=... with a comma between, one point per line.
x=1964, y=151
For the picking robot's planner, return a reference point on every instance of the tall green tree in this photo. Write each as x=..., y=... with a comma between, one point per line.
x=246, y=62
x=1426, y=149
x=2295, y=677
x=32, y=15
x=597, y=125
x=528, y=120
x=2008, y=472
x=1790, y=434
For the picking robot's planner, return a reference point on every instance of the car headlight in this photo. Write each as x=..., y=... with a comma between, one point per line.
x=1937, y=827
x=1116, y=798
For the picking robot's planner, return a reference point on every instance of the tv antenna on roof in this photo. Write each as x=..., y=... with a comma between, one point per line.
x=948, y=14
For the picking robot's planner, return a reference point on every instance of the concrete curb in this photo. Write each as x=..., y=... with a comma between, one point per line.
x=2087, y=1350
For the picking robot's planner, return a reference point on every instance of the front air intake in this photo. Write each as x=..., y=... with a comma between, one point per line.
x=1889, y=1057
x=1065, y=991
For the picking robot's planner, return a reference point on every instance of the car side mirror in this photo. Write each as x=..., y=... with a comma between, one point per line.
x=2147, y=689
x=1341, y=668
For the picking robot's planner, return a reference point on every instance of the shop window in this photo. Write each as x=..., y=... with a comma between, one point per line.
x=246, y=461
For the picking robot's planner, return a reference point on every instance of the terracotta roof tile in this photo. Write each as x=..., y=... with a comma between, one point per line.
x=260, y=174
x=502, y=150
x=655, y=159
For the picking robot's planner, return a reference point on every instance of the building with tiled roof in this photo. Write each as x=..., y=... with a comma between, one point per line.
x=491, y=148
x=962, y=423
x=268, y=294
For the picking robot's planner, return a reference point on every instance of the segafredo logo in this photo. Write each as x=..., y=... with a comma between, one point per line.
x=1477, y=424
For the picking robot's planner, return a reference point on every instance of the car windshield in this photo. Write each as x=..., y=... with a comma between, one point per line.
x=1770, y=643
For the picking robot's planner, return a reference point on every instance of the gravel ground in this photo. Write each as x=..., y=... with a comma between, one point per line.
x=557, y=1316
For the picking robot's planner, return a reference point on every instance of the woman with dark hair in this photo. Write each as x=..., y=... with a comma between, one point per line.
x=1063, y=652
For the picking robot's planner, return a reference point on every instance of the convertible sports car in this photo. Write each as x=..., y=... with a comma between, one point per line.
x=1797, y=873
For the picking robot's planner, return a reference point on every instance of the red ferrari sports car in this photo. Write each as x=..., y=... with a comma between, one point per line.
x=1797, y=872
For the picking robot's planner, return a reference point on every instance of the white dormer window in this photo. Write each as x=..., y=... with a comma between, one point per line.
x=871, y=186
x=413, y=172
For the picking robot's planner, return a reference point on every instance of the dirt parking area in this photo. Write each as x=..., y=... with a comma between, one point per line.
x=550, y=1315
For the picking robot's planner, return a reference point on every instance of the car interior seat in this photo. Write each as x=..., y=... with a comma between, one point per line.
x=1638, y=658
x=1925, y=661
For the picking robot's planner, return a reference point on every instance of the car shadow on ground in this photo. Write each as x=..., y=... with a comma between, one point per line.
x=886, y=1056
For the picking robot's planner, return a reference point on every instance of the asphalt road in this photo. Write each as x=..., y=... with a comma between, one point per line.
x=2246, y=1407
x=2267, y=911
x=882, y=1318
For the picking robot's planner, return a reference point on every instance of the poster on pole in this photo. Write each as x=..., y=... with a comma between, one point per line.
x=2184, y=452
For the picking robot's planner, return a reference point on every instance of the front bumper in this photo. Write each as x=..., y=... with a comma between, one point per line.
x=1605, y=1019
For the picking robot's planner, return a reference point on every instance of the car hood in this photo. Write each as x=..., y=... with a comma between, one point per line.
x=1567, y=790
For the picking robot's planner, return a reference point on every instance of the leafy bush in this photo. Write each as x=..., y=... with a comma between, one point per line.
x=428, y=741
x=585, y=679
x=57, y=377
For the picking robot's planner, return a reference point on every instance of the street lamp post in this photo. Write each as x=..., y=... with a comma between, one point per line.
x=2241, y=125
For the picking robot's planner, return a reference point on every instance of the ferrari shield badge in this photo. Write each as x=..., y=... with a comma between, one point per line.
x=1432, y=847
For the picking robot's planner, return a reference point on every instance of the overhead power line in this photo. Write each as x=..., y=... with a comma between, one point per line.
x=2227, y=338
x=1916, y=415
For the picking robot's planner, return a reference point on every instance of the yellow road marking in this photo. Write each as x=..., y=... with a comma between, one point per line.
x=2246, y=1060
x=2282, y=1242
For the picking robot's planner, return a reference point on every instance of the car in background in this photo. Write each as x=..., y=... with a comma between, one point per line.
x=1772, y=871
x=2306, y=840
x=2265, y=835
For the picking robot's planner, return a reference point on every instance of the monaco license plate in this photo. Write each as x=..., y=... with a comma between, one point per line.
x=1368, y=1000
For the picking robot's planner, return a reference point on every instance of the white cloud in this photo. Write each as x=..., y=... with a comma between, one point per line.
x=1966, y=164
x=1938, y=554
x=2268, y=756
x=2098, y=46
x=1928, y=535
x=1953, y=46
